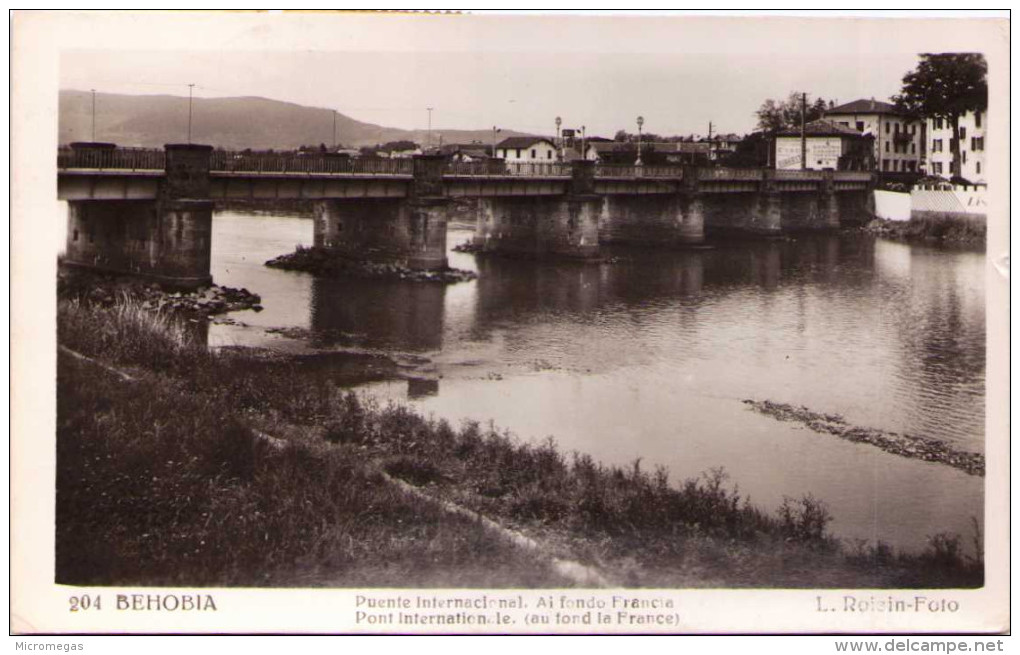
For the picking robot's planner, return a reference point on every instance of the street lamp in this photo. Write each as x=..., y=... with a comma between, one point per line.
x=559, y=142
x=429, y=110
x=191, y=88
x=640, y=123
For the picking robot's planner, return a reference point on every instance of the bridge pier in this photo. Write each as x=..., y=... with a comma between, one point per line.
x=653, y=220
x=167, y=239
x=564, y=226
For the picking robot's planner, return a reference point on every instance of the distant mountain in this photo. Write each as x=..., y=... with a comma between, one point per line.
x=232, y=123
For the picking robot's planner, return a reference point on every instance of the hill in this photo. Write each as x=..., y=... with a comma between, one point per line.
x=232, y=123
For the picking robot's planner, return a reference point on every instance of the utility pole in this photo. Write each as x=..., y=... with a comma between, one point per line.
x=710, y=149
x=803, y=139
x=191, y=88
x=495, y=131
x=559, y=141
x=93, y=115
x=640, y=123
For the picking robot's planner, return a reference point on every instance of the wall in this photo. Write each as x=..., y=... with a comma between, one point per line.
x=654, y=219
x=910, y=155
x=544, y=152
x=892, y=206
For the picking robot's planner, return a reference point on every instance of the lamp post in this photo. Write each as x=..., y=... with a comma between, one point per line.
x=93, y=115
x=429, y=110
x=582, y=142
x=640, y=123
x=191, y=88
x=559, y=142
x=495, y=131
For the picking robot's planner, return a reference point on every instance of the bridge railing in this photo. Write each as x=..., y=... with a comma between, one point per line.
x=133, y=159
x=629, y=171
x=499, y=168
x=729, y=174
x=796, y=175
x=233, y=162
x=852, y=176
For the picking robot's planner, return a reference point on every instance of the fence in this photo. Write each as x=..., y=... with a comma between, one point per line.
x=233, y=162
x=133, y=159
x=500, y=168
x=631, y=172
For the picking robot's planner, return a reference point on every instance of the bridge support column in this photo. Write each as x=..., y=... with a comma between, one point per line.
x=168, y=239
x=766, y=216
x=828, y=202
x=409, y=233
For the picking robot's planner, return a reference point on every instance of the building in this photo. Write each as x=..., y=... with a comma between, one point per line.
x=466, y=152
x=828, y=146
x=972, y=147
x=526, y=149
x=899, y=139
x=724, y=145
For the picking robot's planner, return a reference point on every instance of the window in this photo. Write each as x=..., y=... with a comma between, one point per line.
x=897, y=128
x=518, y=153
x=534, y=154
x=548, y=154
x=938, y=123
x=887, y=146
x=977, y=164
x=938, y=168
x=910, y=166
x=977, y=143
x=963, y=154
x=860, y=126
x=845, y=123
x=963, y=133
x=936, y=145
x=885, y=165
x=887, y=127
x=977, y=120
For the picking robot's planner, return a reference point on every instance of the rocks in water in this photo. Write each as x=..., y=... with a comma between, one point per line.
x=107, y=290
x=326, y=263
x=905, y=445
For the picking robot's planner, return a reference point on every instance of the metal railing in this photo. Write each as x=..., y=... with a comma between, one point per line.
x=499, y=168
x=730, y=174
x=132, y=159
x=631, y=172
x=852, y=176
x=798, y=175
x=233, y=162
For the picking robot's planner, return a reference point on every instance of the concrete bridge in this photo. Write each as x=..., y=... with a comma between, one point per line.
x=149, y=212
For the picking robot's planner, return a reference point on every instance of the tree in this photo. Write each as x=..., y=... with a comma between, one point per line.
x=946, y=86
x=775, y=116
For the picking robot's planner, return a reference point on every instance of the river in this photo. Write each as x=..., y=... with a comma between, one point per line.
x=649, y=356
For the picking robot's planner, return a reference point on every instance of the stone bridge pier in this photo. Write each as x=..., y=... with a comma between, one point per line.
x=565, y=226
x=408, y=231
x=167, y=239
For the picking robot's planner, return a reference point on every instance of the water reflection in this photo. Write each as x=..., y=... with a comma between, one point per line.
x=377, y=314
x=649, y=354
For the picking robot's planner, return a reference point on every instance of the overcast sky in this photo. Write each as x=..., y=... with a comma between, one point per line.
x=515, y=72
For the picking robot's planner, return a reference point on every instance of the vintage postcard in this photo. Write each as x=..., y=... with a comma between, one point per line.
x=395, y=323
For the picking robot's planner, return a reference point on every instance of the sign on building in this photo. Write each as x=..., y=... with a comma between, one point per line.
x=822, y=152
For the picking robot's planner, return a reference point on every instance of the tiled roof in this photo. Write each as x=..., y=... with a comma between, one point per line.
x=822, y=128
x=864, y=107
x=523, y=141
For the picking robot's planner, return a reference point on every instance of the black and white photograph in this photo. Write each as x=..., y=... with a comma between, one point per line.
x=509, y=323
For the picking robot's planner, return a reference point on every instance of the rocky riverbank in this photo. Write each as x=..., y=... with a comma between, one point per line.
x=904, y=445
x=326, y=263
x=107, y=290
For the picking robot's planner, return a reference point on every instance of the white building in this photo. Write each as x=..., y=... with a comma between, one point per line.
x=826, y=145
x=899, y=140
x=532, y=149
x=972, y=147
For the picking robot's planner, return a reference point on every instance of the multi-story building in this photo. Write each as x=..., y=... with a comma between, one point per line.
x=972, y=147
x=899, y=139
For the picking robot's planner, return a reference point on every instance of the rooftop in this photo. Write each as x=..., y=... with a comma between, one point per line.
x=822, y=128
x=523, y=141
x=863, y=106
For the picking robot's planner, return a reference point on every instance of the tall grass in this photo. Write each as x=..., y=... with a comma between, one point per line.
x=163, y=482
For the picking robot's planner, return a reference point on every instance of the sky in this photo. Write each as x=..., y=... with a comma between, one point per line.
x=515, y=72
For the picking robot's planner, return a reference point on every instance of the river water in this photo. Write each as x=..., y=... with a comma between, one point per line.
x=650, y=355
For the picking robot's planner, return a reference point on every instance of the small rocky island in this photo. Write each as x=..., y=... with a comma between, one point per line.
x=326, y=263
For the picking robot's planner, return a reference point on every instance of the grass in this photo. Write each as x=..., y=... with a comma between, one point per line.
x=163, y=482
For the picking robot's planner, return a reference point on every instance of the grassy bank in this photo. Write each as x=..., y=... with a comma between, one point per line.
x=164, y=481
x=939, y=229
